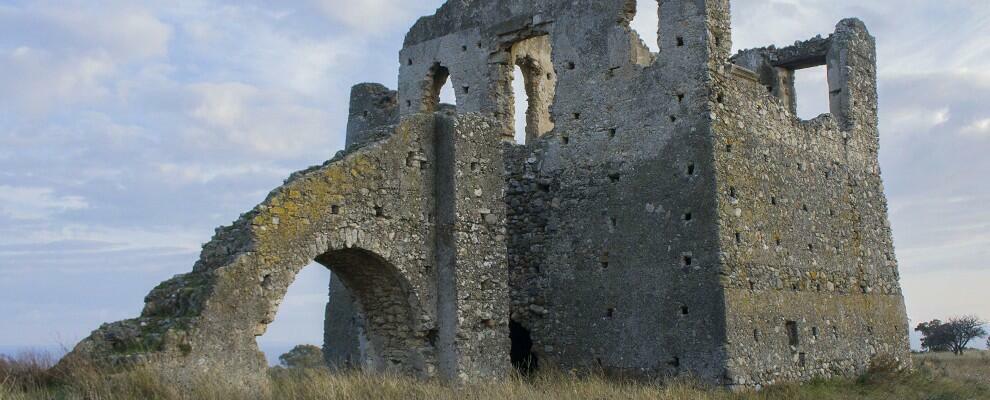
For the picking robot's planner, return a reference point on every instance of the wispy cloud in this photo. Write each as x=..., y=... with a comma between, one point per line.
x=26, y=203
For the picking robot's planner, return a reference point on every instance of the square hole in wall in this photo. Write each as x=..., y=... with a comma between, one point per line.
x=811, y=92
x=334, y=209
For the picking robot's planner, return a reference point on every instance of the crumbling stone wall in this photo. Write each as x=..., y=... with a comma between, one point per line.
x=810, y=275
x=383, y=225
x=668, y=214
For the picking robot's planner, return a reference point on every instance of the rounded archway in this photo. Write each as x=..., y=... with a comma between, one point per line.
x=386, y=304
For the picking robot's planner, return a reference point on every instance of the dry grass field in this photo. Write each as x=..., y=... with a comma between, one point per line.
x=936, y=376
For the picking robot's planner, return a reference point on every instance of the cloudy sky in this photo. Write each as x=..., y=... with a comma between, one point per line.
x=129, y=130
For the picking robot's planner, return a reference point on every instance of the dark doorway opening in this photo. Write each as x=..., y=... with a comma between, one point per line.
x=522, y=354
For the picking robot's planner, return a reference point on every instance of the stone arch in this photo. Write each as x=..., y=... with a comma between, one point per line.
x=386, y=303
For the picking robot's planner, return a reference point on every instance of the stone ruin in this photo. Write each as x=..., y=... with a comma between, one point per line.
x=668, y=214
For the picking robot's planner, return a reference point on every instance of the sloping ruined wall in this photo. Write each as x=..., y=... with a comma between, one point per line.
x=810, y=275
x=372, y=217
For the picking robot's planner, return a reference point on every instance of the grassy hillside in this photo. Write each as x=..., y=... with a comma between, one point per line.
x=938, y=376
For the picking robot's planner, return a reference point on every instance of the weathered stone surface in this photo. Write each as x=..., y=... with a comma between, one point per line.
x=669, y=213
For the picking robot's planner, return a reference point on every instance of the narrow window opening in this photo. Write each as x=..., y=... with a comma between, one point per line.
x=675, y=362
x=570, y=65
x=684, y=310
x=814, y=332
x=690, y=169
x=728, y=148
x=409, y=62
x=688, y=216
x=756, y=335
x=467, y=89
x=611, y=133
x=645, y=21
x=379, y=212
x=811, y=91
x=334, y=209
x=577, y=116
x=680, y=97
x=673, y=118
x=565, y=139
x=773, y=200
x=463, y=48
x=738, y=238
x=532, y=94
x=680, y=41
x=688, y=261
x=802, y=359
x=521, y=353
x=792, y=333
x=752, y=285
x=610, y=313
x=732, y=192
x=612, y=222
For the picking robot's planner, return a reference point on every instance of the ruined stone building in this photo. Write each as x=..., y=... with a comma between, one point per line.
x=668, y=213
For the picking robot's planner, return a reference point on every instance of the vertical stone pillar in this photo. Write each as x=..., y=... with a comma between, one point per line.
x=852, y=80
x=472, y=272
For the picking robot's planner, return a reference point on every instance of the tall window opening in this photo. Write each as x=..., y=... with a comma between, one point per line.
x=645, y=21
x=533, y=87
x=521, y=354
x=299, y=321
x=811, y=87
x=521, y=104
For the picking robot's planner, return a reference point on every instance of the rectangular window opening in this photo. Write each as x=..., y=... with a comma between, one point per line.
x=811, y=92
x=793, y=337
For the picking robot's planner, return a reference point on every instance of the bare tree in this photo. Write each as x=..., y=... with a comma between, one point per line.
x=964, y=329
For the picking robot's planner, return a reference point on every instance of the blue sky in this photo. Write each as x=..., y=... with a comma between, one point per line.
x=130, y=130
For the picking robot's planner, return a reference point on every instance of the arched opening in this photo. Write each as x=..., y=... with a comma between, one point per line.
x=523, y=358
x=299, y=320
x=439, y=89
x=380, y=303
x=534, y=85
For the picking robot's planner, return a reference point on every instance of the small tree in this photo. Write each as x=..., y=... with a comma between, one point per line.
x=935, y=336
x=964, y=329
x=303, y=356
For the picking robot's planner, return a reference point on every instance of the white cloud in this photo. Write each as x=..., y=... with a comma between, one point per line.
x=262, y=122
x=28, y=203
x=371, y=16
x=979, y=128
x=54, y=55
x=204, y=173
x=914, y=120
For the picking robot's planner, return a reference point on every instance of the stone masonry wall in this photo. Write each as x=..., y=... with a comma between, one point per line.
x=809, y=270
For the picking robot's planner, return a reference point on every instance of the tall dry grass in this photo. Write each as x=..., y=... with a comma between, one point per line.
x=936, y=377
